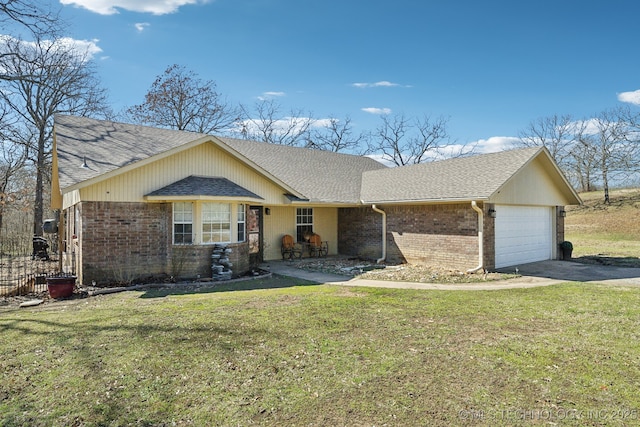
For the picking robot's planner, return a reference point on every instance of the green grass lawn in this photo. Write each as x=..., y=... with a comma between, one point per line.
x=606, y=232
x=278, y=354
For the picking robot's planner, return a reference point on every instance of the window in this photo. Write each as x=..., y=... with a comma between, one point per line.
x=182, y=223
x=304, y=223
x=241, y=221
x=216, y=222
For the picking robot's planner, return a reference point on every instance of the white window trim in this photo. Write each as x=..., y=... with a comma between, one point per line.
x=174, y=222
x=197, y=222
x=219, y=230
x=299, y=224
x=241, y=219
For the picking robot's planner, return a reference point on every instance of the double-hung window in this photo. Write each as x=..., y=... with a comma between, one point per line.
x=183, y=223
x=304, y=223
x=216, y=223
x=241, y=221
x=205, y=223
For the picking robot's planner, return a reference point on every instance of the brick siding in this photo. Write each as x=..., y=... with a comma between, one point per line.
x=124, y=242
x=443, y=235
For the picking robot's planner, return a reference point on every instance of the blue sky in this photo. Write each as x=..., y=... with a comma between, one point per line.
x=490, y=66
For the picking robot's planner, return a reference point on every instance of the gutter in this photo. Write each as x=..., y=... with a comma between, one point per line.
x=384, y=233
x=480, y=266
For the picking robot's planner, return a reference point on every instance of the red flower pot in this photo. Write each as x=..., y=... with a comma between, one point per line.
x=61, y=287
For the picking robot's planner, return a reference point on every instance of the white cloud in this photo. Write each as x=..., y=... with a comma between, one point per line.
x=494, y=144
x=141, y=26
x=589, y=126
x=87, y=48
x=110, y=7
x=374, y=110
x=382, y=83
x=378, y=158
x=322, y=123
x=269, y=95
x=630, y=97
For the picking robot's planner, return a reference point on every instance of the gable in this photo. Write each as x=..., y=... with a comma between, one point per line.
x=205, y=160
x=537, y=183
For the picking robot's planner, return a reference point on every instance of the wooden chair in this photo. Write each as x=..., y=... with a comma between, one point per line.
x=317, y=247
x=290, y=249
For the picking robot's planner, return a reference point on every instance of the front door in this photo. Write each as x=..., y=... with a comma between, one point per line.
x=255, y=235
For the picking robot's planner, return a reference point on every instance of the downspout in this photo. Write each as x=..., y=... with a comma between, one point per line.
x=480, y=266
x=384, y=233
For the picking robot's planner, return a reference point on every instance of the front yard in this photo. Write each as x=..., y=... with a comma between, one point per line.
x=282, y=352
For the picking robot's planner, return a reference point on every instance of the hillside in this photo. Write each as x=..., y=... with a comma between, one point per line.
x=604, y=233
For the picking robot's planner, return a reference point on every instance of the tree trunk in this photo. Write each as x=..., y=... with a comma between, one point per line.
x=605, y=185
x=38, y=208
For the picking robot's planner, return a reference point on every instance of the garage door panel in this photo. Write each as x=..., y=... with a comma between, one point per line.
x=522, y=234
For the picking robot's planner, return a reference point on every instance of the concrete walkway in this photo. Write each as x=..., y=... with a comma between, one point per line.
x=543, y=273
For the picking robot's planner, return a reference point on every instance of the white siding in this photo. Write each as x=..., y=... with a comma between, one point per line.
x=283, y=221
x=203, y=160
x=531, y=186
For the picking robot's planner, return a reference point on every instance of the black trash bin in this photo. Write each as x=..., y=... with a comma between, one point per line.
x=40, y=246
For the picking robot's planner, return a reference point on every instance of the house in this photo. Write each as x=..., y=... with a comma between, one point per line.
x=141, y=202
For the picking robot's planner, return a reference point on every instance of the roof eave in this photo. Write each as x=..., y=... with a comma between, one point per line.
x=425, y=201
x=182, y=198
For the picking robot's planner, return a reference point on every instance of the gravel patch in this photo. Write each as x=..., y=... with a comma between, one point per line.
x=354, y=267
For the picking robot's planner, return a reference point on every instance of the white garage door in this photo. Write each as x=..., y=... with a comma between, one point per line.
x=523, y=234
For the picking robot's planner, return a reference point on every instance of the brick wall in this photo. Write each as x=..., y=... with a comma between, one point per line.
x=121, y=242
x=443, y=235
x=124, y=242
x=190, y=261
x=489, y=237
x=559, y=230
x=359, y=233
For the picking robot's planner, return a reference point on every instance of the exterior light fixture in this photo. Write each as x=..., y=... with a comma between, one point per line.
x=492, y=213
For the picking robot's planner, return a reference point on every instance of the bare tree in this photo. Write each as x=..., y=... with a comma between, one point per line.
x=179, y=99
x=28, y=15
x=63, y=81
x=13, y=159
x=406, y=141
x=613, y=140
x=582, y=166
x=337, y=136
x=568, y=143
x=267, y=124
x=556, y=133
x=24, y=18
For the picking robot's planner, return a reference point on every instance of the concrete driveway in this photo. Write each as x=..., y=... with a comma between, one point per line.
x=543, y=273
x=568, y=271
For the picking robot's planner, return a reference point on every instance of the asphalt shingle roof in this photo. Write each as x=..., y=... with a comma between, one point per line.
x=314, y=175
x=317, y=175
x=105, y=146
x=473, y=177
x=204, y=186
